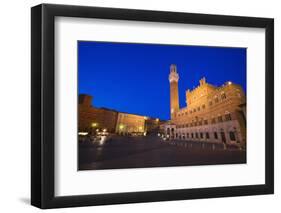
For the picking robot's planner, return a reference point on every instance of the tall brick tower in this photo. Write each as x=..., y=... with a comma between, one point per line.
x=174, y=90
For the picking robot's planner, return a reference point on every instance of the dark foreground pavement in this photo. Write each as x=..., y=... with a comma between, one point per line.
x=140, y=152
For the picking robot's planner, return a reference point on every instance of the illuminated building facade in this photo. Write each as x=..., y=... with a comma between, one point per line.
x=215, y=114
x=91, y=119
x=130, y=124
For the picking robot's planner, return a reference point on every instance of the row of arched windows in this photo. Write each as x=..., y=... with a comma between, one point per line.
x=227, y=117
x=199, y=108
x=207, y=135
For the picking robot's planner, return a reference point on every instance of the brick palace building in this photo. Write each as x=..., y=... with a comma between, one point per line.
x=215, y=114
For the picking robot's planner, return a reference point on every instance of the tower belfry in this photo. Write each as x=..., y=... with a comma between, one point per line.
x=174, y=90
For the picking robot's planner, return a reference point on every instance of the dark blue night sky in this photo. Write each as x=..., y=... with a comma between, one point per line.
x=133, y=78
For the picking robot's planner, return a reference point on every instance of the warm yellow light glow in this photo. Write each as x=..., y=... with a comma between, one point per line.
x=145, y=118
x=140, y=128
x=157, y=119
x=229, y=83
x=97, y=130
x=94, y=124
x=104, y=130
x=83, y=133
x=121, y=126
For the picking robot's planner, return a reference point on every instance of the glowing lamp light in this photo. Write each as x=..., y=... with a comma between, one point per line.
x=157, y=119
x=104, y=130
x=229, y=83
x=94, y=124
x=83, y=133
x=121, y=126
x=97, y=130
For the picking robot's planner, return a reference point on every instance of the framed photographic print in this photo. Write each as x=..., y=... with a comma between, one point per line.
x=140, y=106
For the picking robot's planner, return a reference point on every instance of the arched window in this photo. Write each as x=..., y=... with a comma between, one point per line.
x=227, y=117
x=232, y=136
x=216, y=99
x=215, y=135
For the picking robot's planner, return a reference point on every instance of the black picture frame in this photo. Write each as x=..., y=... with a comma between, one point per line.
x=43, y=102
